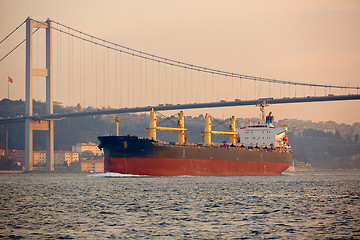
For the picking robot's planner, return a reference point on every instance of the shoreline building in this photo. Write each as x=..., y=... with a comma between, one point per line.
x=87, y=147
x=93, y=166
x=60, y=157
x=67, y=157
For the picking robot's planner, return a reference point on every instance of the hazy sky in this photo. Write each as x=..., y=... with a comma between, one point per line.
x=301, y=41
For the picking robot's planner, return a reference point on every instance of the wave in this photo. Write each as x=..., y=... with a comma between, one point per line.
x=113, y=175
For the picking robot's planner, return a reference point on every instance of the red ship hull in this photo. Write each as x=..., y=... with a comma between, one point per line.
x=141, y=156
x=191, y=167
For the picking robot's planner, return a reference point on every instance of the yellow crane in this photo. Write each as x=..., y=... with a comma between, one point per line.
x=208, y=131
x=180, y=129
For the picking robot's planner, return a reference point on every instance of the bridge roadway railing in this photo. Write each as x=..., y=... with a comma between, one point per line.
x=166, y=107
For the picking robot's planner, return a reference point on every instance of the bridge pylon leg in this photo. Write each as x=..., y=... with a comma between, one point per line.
x=50, y=147
x=29, y=153
x=31, y=125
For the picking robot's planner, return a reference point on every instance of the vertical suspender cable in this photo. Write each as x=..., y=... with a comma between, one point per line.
x=72, y=69
x=232, y=86
x=104, y=79
x=81, y=74
x=179, y=84
x=274, y=90
x=92, y=74
x=116, y=80
x=260, y=89
x=38, y=92
x=140, y=81
x=289, y=90
x=96, y=80
x=197, y=94
x=59, y=71
x=191, y=85
x=81, y=103
x=133, y=80
x=57, y=68
x=68, y=69
x=172, y=83
x=153, y=83
x=108, y=77
x=145, y=94
x=205, y=86
x=128, y=76
x=212, y=87
x=246, y=91
x=159, y=75
x=185, y=86
x=165, y=85
x=255, y=89
x=84, y=73
x=240, y=96
x=304, y=91
x=120, y=80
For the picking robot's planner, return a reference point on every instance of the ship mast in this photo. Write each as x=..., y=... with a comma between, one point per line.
x=117, y=120
x=207, y=132
x=232, y=130
x=262, y=109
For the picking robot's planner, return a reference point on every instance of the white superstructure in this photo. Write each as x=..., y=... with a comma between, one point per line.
x=262, y=135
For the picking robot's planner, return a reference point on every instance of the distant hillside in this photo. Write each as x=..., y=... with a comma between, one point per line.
x=321, y=149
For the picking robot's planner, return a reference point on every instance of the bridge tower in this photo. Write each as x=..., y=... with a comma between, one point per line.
x=30, y=124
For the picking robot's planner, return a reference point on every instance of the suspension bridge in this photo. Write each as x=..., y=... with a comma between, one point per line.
x=104, y=77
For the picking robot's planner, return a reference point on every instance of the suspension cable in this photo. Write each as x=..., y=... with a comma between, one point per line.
x=204, y=69
x=12, y=32
x=167, y=61
x=17, y=46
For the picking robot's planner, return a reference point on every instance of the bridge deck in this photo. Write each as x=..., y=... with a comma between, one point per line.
x=185, y=106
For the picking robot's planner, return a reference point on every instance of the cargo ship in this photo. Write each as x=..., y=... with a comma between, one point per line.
x=257, y=149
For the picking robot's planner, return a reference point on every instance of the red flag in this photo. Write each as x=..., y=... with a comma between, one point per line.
x=10, y=80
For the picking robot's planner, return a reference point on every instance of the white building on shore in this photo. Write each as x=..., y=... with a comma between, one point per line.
x=87, y=147
x=60, y=157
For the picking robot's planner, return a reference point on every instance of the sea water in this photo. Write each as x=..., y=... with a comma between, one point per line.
x=315, y=205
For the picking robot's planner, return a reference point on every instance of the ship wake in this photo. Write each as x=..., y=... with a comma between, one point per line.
x=114, y=175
